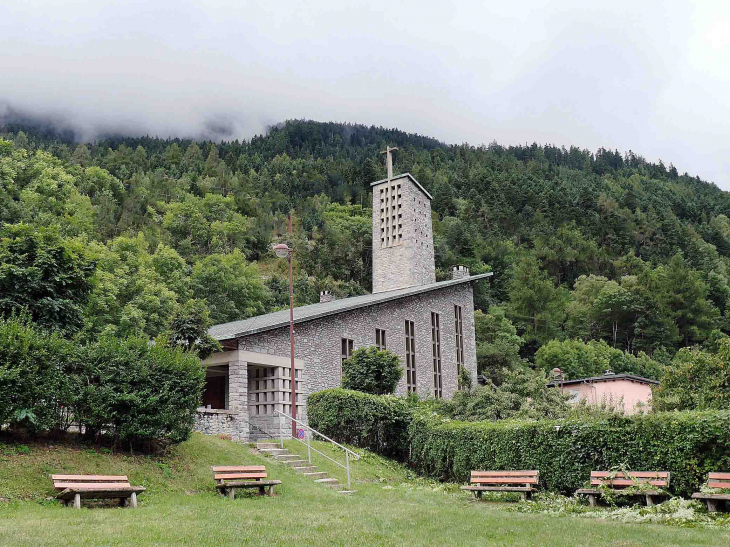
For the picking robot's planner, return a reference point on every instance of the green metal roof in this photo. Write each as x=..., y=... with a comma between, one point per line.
x=269, y=321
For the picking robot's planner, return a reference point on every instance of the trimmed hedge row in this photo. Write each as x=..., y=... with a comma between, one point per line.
x=378, y=423
x=687, y=444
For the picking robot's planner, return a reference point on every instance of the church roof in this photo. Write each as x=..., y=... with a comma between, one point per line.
x=277, y=319
x=400, y=177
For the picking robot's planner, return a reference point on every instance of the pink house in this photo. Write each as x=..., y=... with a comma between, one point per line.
x=610, y=388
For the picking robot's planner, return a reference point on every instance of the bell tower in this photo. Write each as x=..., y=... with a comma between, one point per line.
x=403, y=254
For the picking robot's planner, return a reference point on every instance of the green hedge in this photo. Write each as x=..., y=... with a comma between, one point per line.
x=687, y=444
x=379, y=423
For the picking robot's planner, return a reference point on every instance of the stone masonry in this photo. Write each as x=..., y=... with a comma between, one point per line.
x=403, y=253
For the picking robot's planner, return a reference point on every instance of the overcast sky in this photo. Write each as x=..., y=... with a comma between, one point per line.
x=647, y=75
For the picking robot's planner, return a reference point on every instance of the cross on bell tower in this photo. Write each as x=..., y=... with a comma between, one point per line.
x=389, y=160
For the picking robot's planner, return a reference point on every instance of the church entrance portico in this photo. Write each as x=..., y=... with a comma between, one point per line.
x=243, y=392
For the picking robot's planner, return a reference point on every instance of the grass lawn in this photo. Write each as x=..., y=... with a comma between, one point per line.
x=181, y=507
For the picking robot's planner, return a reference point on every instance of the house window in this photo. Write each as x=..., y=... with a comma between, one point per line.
x=459, y=327
x=410, y=357
x=436, y=345
x=347, y=346
x=380, y=339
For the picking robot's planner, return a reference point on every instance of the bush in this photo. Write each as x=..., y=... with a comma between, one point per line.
x=36, y=381
x=696, y=380
x=134, y=392
x=368, y=421
x=372, y=370
x=687, y=444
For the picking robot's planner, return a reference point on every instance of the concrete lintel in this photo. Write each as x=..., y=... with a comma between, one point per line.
x=253, y=358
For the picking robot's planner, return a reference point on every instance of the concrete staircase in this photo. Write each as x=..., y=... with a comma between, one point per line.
x=300, y=465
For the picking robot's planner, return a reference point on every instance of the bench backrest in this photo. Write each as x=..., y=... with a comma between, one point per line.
x=718, y=480
x=238, y=472
x=659, y=479
x=61, y=482
x=505, y=477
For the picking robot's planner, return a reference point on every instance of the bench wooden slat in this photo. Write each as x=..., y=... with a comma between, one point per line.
x=237, y=468
x=92, y=485
x=246, y=484
x=505, y=473
x=719, y=476
x=715, y=484
x=504, y=480
x=225, y=476
x=500, y=488
x=627, y=482
x=90, y=478
x=635, y=474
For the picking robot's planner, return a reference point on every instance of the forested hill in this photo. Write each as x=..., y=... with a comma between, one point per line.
x=591, y=246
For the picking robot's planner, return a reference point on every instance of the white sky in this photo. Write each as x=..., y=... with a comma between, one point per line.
x=647, y=75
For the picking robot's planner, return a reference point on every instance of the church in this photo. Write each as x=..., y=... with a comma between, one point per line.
x=428, y=324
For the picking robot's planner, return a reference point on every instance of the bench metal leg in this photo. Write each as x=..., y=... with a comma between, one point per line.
x=262, y=490
x=477, y=494
x=713, y=506
x=133, y=500
x=77, y=501
x=523, y=496
x=271, y=491
x=232, y=493
x=122, y=502
x=649, y=500
x=592, y=501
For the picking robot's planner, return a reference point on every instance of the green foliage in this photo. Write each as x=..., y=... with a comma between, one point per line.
x=137, y=393
x=464, y=379
x=687, y=444
x=372, y=370
x=378, y=423
x=498, y=344
x=578, y=359
x=696, y=380
x=189, y=329
x=44, y=274
x=36, y=381
x=522, y=394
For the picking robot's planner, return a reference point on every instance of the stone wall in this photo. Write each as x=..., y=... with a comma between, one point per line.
x=318, y=342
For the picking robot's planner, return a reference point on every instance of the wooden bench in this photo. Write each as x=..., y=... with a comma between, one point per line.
x=230, y=477
x=524, y=482
x=715, y=501
x=619, y=482
x=78, y=487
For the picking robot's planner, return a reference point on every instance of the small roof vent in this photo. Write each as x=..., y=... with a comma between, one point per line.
x=609, y=372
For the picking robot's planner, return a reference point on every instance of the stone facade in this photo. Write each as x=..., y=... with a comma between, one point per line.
x=403, y=254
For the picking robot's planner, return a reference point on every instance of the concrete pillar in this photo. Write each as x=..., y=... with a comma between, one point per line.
x=238, y=399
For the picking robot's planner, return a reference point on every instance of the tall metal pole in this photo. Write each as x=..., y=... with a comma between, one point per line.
x=291, y=340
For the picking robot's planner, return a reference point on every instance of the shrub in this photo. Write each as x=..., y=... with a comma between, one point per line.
x=696, y=380
x=687, y=444
x=372, y=370
x=134, y=392
x=369, y=421
x=36, y=384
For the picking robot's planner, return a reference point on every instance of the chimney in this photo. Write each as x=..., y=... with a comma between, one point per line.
x=460, y=272
x=326, y=296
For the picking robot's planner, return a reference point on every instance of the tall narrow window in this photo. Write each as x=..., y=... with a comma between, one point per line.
x=410, y=357
x=436, y=344
x=347, y=346
x=380, y=339
x=459, y=327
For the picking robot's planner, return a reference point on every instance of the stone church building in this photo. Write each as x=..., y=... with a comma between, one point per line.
x=429, y=325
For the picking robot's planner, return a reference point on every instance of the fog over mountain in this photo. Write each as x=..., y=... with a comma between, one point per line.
x=645, y=76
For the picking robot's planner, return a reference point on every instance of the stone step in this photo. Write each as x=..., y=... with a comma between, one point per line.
x=294, y=463
x=332, y=483
x=267, y=445
x=284, y=457
x=274, y=451
x=305, y=468
x=316, y=475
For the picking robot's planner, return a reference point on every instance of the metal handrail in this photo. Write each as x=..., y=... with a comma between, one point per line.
x=357, y=456
x=346, y=467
